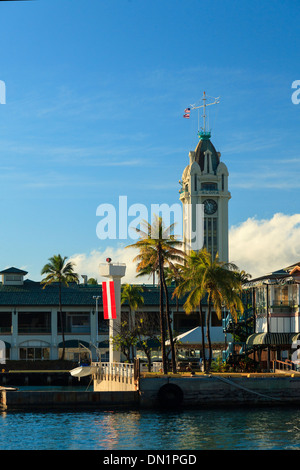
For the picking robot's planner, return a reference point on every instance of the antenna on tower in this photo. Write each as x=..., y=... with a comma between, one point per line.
x=203, y=133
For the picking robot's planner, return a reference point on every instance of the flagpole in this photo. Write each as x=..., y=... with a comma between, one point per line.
x=187, y=111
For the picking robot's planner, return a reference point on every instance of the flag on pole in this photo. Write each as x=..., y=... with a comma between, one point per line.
x=187, y=113
x=109, y=301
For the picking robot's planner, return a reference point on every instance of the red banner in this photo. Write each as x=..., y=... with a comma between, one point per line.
x=109, y=301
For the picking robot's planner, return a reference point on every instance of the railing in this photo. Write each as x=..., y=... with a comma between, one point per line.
x=115, y=371
x=6, y=329
x=283, y=366
x=34, y=330
x=226, y=321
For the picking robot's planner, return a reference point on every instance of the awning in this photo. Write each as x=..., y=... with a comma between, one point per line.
x=271, y=339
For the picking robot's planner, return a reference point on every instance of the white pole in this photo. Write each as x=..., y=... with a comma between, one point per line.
x=114, y=272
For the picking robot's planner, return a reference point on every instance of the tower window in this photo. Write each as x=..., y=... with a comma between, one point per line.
x=223, y=182
x=211, y=235
x=195, y=182
x=209, y=186
x=215, y=237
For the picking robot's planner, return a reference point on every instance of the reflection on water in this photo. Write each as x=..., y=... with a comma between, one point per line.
x=55, y=388
x=249, y=429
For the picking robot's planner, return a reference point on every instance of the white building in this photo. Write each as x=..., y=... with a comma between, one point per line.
x=276, y=299
x=30, y=321
x=276, y=314
x=205, y=181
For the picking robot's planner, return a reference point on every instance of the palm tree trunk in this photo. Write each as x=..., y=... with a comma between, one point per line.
x=208, y=335
x=169, y=325
x=202, y=334
x=162, y=323
x=61, y=322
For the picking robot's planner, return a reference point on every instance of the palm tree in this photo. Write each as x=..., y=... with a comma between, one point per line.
x=132, y=295
x=190, y=283
x=58, y=271
x=158, y=247
x=219, y=281
x=223, y=287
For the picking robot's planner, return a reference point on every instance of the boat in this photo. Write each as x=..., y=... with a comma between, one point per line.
x=83, y=371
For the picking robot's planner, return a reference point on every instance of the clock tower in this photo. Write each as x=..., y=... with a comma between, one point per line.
x=205, y=181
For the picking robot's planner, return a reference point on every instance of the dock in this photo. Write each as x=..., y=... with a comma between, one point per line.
x=164, y=391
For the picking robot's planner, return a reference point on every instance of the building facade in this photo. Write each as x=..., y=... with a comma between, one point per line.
x=276, y=313
x=30, y=324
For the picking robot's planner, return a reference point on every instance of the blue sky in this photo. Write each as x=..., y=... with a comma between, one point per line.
x=95, y=92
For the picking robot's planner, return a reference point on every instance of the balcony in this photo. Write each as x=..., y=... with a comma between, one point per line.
x=5, y=330
x=210, y=192
x=34, y=330
x=37, y=330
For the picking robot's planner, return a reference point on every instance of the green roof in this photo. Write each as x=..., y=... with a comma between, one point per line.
x=13, y=271
x=33, y=293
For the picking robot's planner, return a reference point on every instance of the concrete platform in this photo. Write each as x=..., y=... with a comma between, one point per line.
x=167, y=391
x=48, y=400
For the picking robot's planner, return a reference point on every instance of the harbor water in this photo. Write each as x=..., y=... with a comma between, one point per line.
x=208, y=429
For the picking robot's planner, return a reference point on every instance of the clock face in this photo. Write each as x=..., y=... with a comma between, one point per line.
x=210, y=206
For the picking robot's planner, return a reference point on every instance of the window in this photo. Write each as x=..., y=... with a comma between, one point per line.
x=293, y=294
x=74, y=322
x=211, y=235
x=76, y=355
x=260, y=301
x=209, y=186
x=5, y=322
x=103, y=325
x=281, y=295
x=34, y=322
x=34, y=353
x=214, y=237
x=105, y=356
x=10, y=277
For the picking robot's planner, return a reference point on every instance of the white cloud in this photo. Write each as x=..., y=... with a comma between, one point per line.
x=262, y=246
x=88, y=264
x=257, y=246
